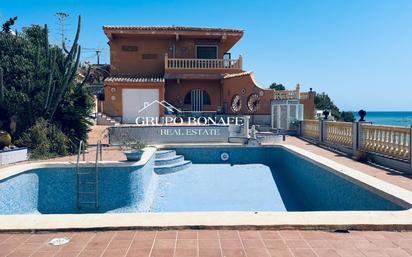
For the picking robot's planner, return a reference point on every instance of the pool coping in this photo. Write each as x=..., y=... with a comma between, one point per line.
x=22, y=167
x=361, y=220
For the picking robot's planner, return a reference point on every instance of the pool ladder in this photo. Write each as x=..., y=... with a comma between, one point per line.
x=94, y=183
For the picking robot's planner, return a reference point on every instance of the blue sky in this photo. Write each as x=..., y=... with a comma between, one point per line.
x=358, y=51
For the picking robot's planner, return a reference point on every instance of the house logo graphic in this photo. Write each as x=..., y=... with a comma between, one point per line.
x=163, y=103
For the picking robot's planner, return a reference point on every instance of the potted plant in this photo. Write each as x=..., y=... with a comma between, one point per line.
x=133, y=150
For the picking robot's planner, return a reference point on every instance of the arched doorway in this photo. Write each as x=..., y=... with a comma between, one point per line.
x=197, y=98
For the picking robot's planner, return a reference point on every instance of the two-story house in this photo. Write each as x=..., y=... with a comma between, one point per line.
x=190, y=68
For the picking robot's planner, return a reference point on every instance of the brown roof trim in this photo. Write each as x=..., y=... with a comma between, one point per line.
x=234, y=75
x=134, y=80
x=172, y=28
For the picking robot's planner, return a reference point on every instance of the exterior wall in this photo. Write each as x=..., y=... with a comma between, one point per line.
x=235, y=85
x=176, y=92
x=13, y=155
x=309, y=106
x=113, y=108
x=132, y=63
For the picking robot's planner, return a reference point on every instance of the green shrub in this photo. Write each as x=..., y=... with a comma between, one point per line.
x=347, y=117
x=44, y=140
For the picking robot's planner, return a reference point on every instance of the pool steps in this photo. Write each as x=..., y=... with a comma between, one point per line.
x=167, y=161
x=165, y=153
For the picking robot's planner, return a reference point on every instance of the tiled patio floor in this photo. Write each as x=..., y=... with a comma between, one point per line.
x=210, y=243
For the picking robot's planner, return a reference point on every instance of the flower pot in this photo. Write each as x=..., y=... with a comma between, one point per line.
x=5, y=139
x=133, y=155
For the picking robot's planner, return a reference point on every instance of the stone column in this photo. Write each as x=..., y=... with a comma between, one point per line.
x=301, y=124
x=410, y=149
x=322, y=134
x=357, y=141
x=166, y=60
x=355, y=136
x=240, y=61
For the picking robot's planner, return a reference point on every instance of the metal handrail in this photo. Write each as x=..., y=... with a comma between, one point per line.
x=81, y=147
x=99, y=155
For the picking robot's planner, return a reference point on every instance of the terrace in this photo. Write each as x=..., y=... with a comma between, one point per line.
x=213, y=68
x=389, y=146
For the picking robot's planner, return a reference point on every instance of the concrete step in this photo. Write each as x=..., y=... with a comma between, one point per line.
x=102, y=119
x=169, y=160
x=167, y=169
x=241, y=140
x=263, y=128
x=161, y=154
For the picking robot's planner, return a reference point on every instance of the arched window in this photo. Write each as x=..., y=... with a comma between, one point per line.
x=188, y=98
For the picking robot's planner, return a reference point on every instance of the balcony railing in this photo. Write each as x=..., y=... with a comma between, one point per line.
x=288, y=94
x=203, y=64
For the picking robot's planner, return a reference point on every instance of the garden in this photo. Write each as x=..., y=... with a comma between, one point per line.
x=44, y=103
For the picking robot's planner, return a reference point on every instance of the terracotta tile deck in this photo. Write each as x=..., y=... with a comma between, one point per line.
x=210, y=243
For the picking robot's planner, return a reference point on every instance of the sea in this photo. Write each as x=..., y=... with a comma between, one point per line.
x=389, y=118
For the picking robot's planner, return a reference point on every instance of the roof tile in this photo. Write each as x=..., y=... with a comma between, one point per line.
x=135, y=79
x=172, y=28
x=234, y=75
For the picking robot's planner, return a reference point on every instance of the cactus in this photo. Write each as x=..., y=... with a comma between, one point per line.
x=2, y=89
x=52, y=67
x=69, y=70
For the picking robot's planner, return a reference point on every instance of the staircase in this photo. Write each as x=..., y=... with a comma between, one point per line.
x=167, y=161
x=102, y=119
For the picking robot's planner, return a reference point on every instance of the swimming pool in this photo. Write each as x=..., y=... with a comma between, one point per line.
x=253, y=179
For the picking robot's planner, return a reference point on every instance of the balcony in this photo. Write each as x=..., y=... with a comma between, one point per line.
x=202, y=68
x=288, y=94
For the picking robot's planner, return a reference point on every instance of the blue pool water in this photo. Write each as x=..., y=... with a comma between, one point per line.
x=253, y=179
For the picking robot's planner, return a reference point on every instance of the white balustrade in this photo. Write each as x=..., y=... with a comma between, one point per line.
x=338, y=133
x=183, y=63
x=386, y=140
x=311, y=129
